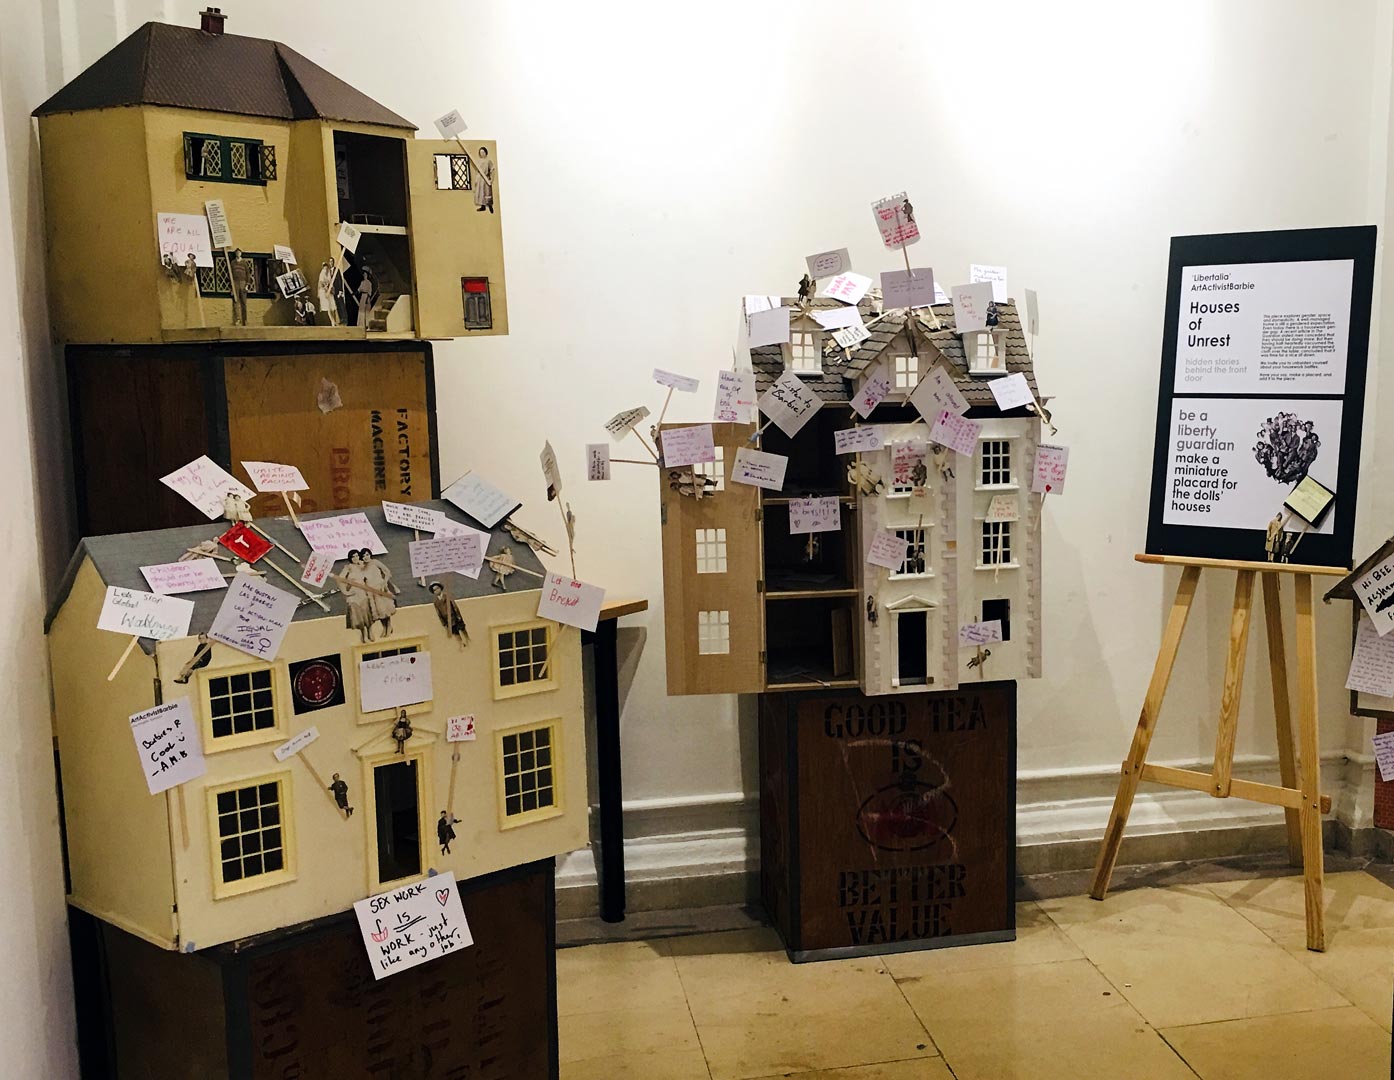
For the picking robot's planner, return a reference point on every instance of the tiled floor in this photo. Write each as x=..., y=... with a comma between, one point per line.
x=1207, y=979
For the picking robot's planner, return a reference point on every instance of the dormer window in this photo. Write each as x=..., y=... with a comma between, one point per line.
x=986, y=351
x=803, y=355
x=905, y=373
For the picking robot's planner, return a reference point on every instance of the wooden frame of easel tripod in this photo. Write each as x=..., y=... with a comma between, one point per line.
x=1299, y=764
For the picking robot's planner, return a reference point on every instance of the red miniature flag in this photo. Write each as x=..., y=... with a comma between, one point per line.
x=244, y=542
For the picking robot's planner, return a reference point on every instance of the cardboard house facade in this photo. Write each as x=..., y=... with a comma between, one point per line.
x=258, y=843
x=175, y=116
x=750, y=607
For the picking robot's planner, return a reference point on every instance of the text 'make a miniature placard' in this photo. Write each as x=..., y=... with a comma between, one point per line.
x=413, y=924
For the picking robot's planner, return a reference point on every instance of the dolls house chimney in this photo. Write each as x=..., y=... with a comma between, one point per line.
x=211, y=20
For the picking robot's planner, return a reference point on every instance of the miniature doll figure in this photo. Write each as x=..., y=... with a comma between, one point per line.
x=367, y=294
x=1273, y=538
x=908, y=211
x=980, y=659
x=805, y=289
x=203, y=652
x=377, y=576
x=941, y=462
x=358, y=613
x=328, y=286
x=168, y=265
x=204, y=549
x=339, y=788
x=991, y=315
x=240, y=273
x=304, y=311
x=503, y=565
x=811, y=548
x=484, y=182
x=919, y=474
x=445, y=830
x=190, y=266
x=871, y=615
x=449, y=615
x=235, y=508
x=531, y=539
x=401, y=731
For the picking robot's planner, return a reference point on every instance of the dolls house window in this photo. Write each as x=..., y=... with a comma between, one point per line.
x=240, y=707
x=711, y=551
x=713, y=633
x=216, y=281
x=997, y=543
x=452, y=172
x=523, y=659
x=804, y=355
x=1001, y=611
x=986, y=350
x=997, y=462
x=916, y=562
x=254, y=842
x=228, y=160
x=716, y=469
x=529, y=774
x=905, y=373
x=479, y=310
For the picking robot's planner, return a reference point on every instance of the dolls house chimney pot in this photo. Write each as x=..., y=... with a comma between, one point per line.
x=211, y=20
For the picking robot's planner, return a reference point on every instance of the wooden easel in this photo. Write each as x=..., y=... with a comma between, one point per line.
x=1299, y=765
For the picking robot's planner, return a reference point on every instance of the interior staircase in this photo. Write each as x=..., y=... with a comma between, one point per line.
x=389, y=282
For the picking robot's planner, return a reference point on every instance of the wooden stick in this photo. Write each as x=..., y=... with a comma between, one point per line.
x=570, y=541
x=262, y=532
x=631, y=461
x=664, y=411
x=491, y=559
x=361, y=585
x=122, y=662
x=421, y=580
x=285, y=496
x=318, y=779
x=202, y=318
x=656, y=459
x=1282, y=708
x=450, y=797
x=208, y=554
x=183, y=816
x=323, y=606
x=1309, y=762
x=1233, y=685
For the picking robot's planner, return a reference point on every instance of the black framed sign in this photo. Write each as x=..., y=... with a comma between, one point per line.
x=1262, y=395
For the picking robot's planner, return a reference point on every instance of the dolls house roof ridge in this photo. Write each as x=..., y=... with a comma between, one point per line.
x=1345, y=588
x=118, y=558
x=185, y=67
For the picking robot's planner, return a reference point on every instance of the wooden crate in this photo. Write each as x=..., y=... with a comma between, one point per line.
x=139, y=412
x=303, y=1002
x=888, y=824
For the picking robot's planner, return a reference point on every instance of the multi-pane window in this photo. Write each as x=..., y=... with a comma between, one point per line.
x=228, y=160
x=251, y=833
x=905, y=373
x=713, y=632
x=479, y=308
x=984, y=351
x=523, y=658
x=529, y=772
x=382, y=654
x=997, y=462
x=916, y=562
x=997, y=543
x=215, y=280
x=711, y=551
x=452, y=172
x=241, y=703
x=805, y=352
x=716, y=469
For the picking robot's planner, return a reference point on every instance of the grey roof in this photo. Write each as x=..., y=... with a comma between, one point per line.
x=119, y=557
x=184, y=67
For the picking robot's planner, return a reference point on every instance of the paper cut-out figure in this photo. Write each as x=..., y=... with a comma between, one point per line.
x=871, y=615
x=502, y=564
x=240, y=274
x=919, y=473
x=908, y=211
x=377, y=576
x=1273, y=538
x=980, y=658
x=204, y=549
x=401, y=731
x=367, y=296
x=941, y=462
x=866, y=479
x=484, y=182
x=358, y=613
x=235, y=507
x=340, y=790
x=689, y=482
x=991, y=316
x=191, y=266
x=169, y=266
x=304, y=311
x=331, y=291
x=203, y=652
x=805, y=289
x=531, y=539
x=449, y=615
x=445, y=830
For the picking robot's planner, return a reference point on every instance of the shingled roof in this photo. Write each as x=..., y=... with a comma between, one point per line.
x=186, y=68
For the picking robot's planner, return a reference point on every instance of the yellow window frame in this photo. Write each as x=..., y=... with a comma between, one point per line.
x=422, y=645
x=221, y=889
x=558, y=807
x=212, y=745
x=534, y=686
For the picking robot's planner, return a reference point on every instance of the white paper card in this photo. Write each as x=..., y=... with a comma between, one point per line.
x=269, y=476
x=1002, y=508
x=411, y=516
x=145, y=614
x=888, y=550
x=735, y=397
x=848, y=287
x=551, y=471
x=622, y=423
x=849, y=336
x=205, y=484
x=598, y=461
x=480, y=499
x=296, y=743
x=907, y=289
x=769, y=327
x=1384, y=754
x=1011, y=391
x=875, y=386
x=460, y=729
x=348, y=237
x=856, y=440
x=759, y=303
x=191, y=575
x=970, y=306
x=895, y=218
x=759, y=469
x=980, y=633
x=218, y=229
x=837, y=318
x=1372, y=663
x=459, y=528
x=682, y=383
x=828, y=263
x=996, y=276
x=180, y=234
x=445, y=555
x=1048, y=474
x=451, y=124
x=168, y=742
x=937, y=392
x=340, y=534
x=284, y=254
x=254, y=617
x=688, y=445
x=317, y=568
x=1375, y=591
x=815, y=515
x=394, y=681
x=789, y=403
x=955, y=432
x=411, y=924
x=571, y=602
x=1033, y=312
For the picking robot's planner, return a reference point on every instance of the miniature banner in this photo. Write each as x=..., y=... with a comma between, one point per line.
x=480, y=499
x=1372, y=663
x=245, y=542
x=183, y=234
x=856, y=440
x=888, y=550
x=847, y=287
x=907, y=289
x=683, y=383
x=143, y=614
x=1375, y=591
x=837, y=318
x=828, y=263
x=1048, y=474
x=317, y=568
x=789, y=404
x=411, y=516
x=291, y=283
x=956, y=432
x=459, y=729
x=970, y=306
x=849, y=336
x=295, y=744
x=446, y=554
x=1384, y=754
x=758, y=469
x=571, y=602
x=769, y=327
x=1002, y=508
x=688, y=445
x=348, y=237
x=206, y=484
x=167, y=740
x=996, y=276
x=980, y=633
x=409, y=925
x=875, y=386
x=1033, y=313
x=254, y=617
x=451, y=125
x=937, y=392
x=907, y=464
x=895, y=218
x=622, y=423
x=338, y=535
x=816, y=515
x=551, y=471
x=269, y=476
x=735, y=397
x=1310, y=500
x=1012, y=392
x=597, y=461
x=284, y=254
x=218, y=229
x=394, y=681
x=191, y=575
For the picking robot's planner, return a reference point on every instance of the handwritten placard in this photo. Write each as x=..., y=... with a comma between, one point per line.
x=183, y=234
x=145, y=614
x=254, y=617
x=735, y=397
x=752, y=304
x=445, y=555
x=980, y=633
x=1384, y=754
x=682, y=383
x=828, y=263
x=1375, y=591
x=1002, y=508
x=317, y=568
x=907, y=464
x=817, y=515
x=551, y=471
x=394, y=681
x=849, y=336
x=339, y=534
x=622, y=423
x=296, y=743
x=597, y=461
x=1372, y=663
x=284, y=253
x=1048, y=474
x=936, y=393
x=449, y=527
x=759, y=469
x=769, y=327
x=970, y=306
x=411, y=516
x=688, y=445
x=219, y=231
x=1012, y=392
x=836, y=318
x=571, y=602
x=168, y=743
x=789, y=403
x=271, y=476
x=450, y=125
x=856, y=440
x=956, y=432
x=875, y=386
x=348, y=237
x=907, y=288
x=410, y=925
x=1033, y=312
x=887, y=549
x=191, y=575
x=459, y=729
x=847, y=287
x=480, y=499
x=996, y=276
x=895, y=219
x=205, y=484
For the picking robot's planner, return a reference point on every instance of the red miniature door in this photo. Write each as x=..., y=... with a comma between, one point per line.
x=713, y=615
x=456, y=238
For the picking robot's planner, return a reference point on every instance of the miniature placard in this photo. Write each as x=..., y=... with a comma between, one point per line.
x=409, y=925
x=296, y=743
x=1002, y=508
x=480, y=499
x=875, y=386
x=1372, y=663
x=451, y=125
x=459, y=729
x=970, y=306
x=291, y=283
x=907, y=289
x=145, y=614
x=191, y=575
x=458, y=528
x=219, y=232
x=167, y=740
x=759, y=469
x=789, y=404
x=937, y=392
x=205, y=484
x=269, y=476
x=1375, y=591
x=769, y=327
x=888, y=550
x=1048, y=474
x=1310, y=500
x=245, y=542
x=254, y=617
x=622, y=423
x=849, y=336
x=735, y=397
x=996, y=276
x=687, y=445
x=682, y=383
x=1012, y=392
x=895, y=218
x=837, y=318
x=445, y=555
x=828, y=263
x=1384, y=754
x=752, y=304
x=284, y=253
x=907, y=460
x=815, y=515
x=338, y=535
x=411, y=516
x=980, y=633
x=1033, y=312
x=317, y=568
x=551, y=471
x=597, y=461
x=847, y=287
x=956, y=432
x=183, y=234
x=856, y=440
x=394, y=681
x=348, y=237
x=571, y=602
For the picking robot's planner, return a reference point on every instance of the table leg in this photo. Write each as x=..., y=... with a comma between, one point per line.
x=609, y=861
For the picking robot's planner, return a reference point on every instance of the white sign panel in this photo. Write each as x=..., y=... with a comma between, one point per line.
x=828, y=263
x=394, y=681
x=480, y=499
x=571, y=602
x=317, y=568
x=937, y=392
x=622, y=423
x=254, y=617
x=688, y=445
x=875, y=386
x=597, y=461
x=411, y=516
x=996, y=276
x=206, y=484
x=759, y=469
x=409, y=925
x=1372, y=663
x=1011, y=391
x=168, y=743
x=460, y=554
x=769, y=327
x=907, y=289
x=970, y=306
x=191, y=575
x=143, y=614
x=1375, y=591
x=342, y=533
x=847, y=287
x=1048, y=474
x=887, y=549
x=735, y=397
x=956, y=432
x=218, y=229
x=895, y=218
x=451, y=125
x=789, y=403
x=816, y=515
x=270, y=476
x=460, y=729
x=856, y=440
x=683, y=383
x=980, y=633
x=296, y=743
x=183, y=234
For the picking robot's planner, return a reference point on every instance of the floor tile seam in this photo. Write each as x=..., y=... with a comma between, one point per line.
x=1265, y=1016
x=939, y=1050
x=989, y=967
x=687, y=1001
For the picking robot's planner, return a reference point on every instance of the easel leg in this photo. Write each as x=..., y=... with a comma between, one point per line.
x=1147, y=723
x=1282, y=707
x=1223, y=770
x=1309, y=764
